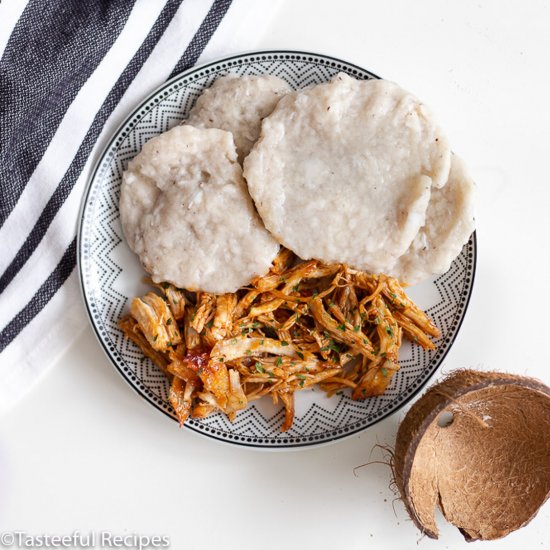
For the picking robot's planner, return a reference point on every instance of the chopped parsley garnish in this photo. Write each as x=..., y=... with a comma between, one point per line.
x=389, y=331
x=356, y=328
x=169, y=322
x=284, y=343
x=384, y=371
x=341, y=327
x=279, y=362
x=259, y=367
x=300, y=354
x=165, y=285
x=301, y=376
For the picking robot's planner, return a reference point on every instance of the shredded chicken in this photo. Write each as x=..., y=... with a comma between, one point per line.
x=302, y=324
x=156, y=321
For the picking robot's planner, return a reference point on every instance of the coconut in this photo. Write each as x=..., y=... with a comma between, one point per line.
x=476, y=445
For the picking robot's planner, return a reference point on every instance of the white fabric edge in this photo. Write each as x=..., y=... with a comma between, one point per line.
x=239, y=32
x=28, y=357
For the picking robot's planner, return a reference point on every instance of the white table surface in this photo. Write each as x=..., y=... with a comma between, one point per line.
x=83, y=451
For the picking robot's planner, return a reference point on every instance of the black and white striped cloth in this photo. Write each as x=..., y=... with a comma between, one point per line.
x=70, y=71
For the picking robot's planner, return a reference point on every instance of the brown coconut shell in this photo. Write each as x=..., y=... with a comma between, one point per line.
x=487, y=467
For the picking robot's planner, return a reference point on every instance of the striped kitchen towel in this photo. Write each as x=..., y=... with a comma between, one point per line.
x=70, y=71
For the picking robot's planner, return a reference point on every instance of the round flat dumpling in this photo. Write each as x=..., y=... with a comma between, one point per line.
x=238, y=104
x=449, y=224
x=343, y=170
x=186, y=212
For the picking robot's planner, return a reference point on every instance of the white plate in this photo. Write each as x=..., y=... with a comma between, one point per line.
x=111, y=275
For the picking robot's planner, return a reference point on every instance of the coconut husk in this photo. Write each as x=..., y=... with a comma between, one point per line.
x=476, y=445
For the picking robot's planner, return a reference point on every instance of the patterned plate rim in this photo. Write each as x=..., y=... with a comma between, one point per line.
x=120, y=132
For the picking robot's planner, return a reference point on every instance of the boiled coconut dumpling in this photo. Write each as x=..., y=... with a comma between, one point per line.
x=186, y=212
x=343, y=171
x=238, y=105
